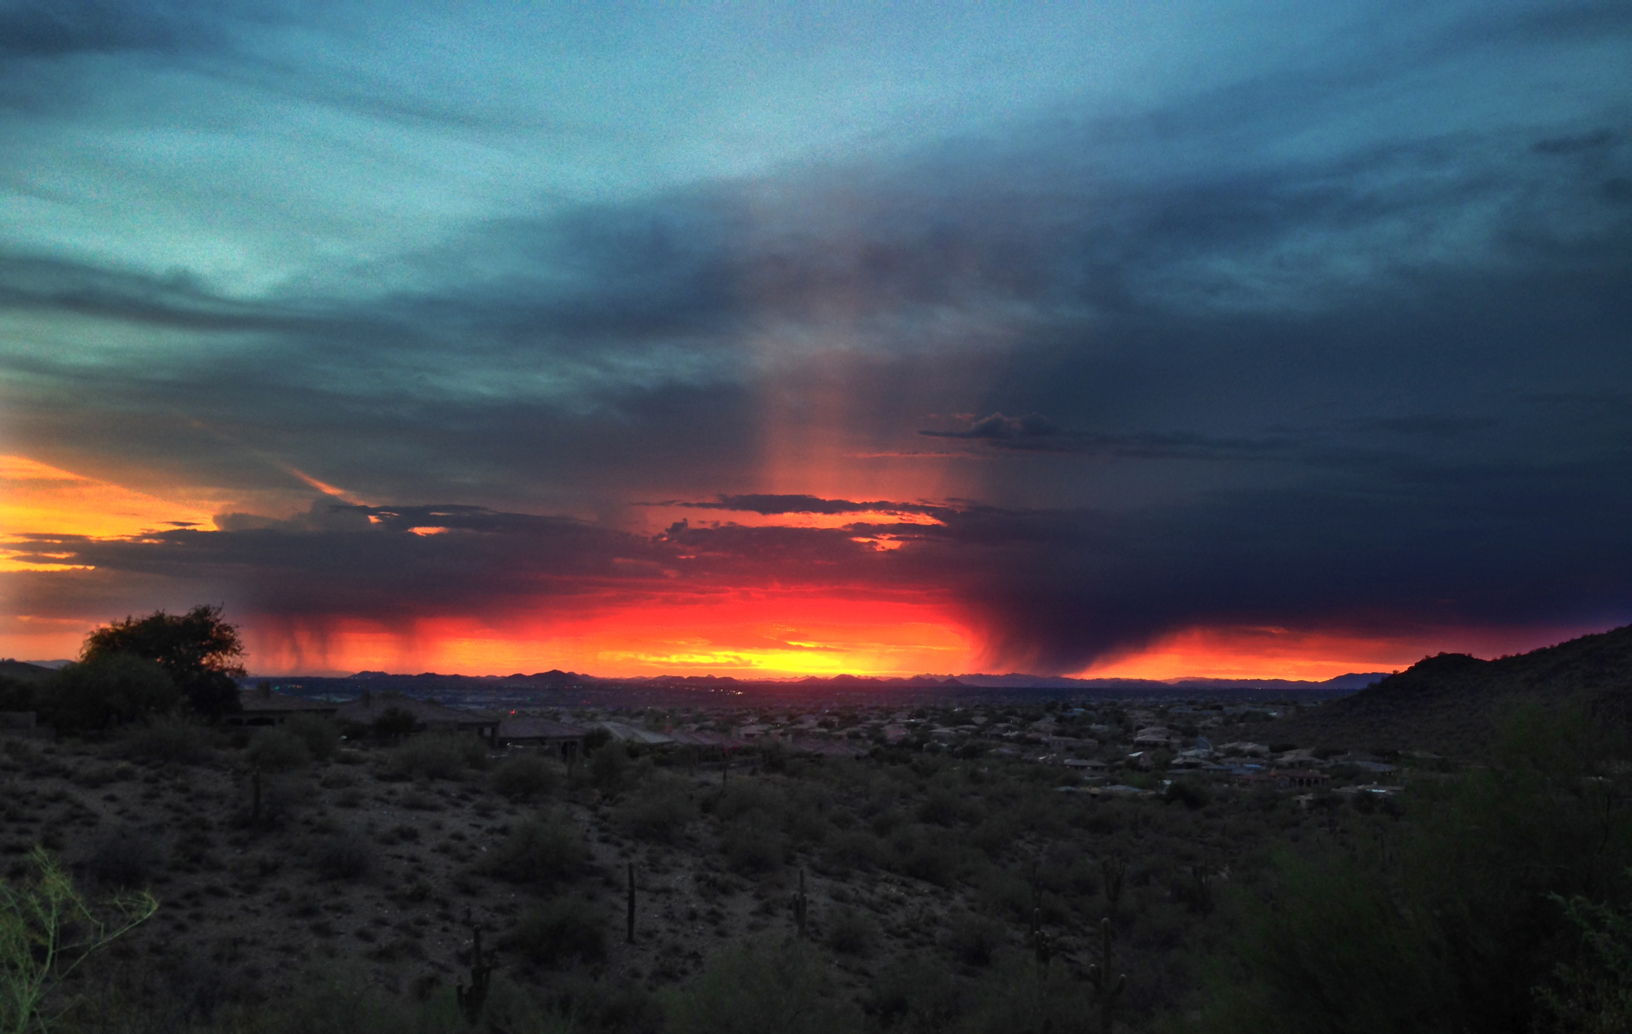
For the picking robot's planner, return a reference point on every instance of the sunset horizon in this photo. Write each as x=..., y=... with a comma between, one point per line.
x=787, y=342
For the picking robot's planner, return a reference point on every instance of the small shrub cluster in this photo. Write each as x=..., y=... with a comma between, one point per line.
x=345, y=856
x=543, y=850
x=762, y=987
x=169, y=739
x=562, y=930
x=276, y=749
x=320, y=735
x=523, y=777
x=657, y=812
x=435, y=756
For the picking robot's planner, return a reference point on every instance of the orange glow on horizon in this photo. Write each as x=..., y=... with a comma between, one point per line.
x=38, y=499
x=1268, y=652
x=757, y=635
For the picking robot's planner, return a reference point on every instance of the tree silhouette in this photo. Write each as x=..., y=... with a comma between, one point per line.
x=198, y=650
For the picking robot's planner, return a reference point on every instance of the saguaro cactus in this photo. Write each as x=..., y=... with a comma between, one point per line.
x=801, y=904
x=1113, y=870
x=255, y=796
x=1201, y=888
x=1106, y=991
x=630, y=933
x=472, y=998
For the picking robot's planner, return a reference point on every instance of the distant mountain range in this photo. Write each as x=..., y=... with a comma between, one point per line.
x=557, y=679
x=27, y=670
x=1450, y=704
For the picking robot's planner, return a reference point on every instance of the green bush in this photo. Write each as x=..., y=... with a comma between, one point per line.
x=435, y=755
x=562, y=930
x=657, y=812
x=1191, y=795
x=943, y=807
x=752, y=799
x=850, y=850
x=108, y=690
x=849, y=932
x=321, y=735
x=603, y=1006
x=345, y=856
x=750, y=847
x=1455, y=925
x=917, y=995
x=1593, y=992
x=609, y=767
x=761, y=987
x=123, y=859
x=393, y=724
x=922, y=856
x=275, y=749
x=523, y=776
x=544, y=850
x=169, y=739
x=973, y=939
x=17, y=694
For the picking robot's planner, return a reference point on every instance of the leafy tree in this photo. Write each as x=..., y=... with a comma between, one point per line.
x=16, y=694
x=394, y=723
x=104, y=691
x=1594, y=993
x=1449, y=920
x=198, y=650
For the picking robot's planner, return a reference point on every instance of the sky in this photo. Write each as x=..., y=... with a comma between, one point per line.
x=1142, y=338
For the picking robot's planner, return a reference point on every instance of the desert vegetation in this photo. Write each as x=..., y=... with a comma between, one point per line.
x=388, y=880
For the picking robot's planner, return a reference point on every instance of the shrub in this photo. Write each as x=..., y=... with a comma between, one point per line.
x=591, y=1005
x=393, y=724
x=109, y=690
x=523, y=776
x=564, y=929
x=657, y=812
x=851, y=933
x=169, y=739
x=1188, y=794
x=995, y=834
x=942, y=807
x=320, y=735
x=609, y=767
x=542, y=850
x=759, y=987
x=926, y=858
x=17, y=694
x=753, y=848
x=47, y=928
x=751, y=799
x=1455, y=930
x=345, y=856
x=850, y=850
x=919, y=994
x=432, y=756
x=973, y=938
x=276, y=749
x=123, y=859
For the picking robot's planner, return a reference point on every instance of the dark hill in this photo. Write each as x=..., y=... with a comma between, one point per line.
x=23, y=670
x=1447, y=704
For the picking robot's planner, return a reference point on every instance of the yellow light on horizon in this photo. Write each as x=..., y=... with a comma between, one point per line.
x=39, y=499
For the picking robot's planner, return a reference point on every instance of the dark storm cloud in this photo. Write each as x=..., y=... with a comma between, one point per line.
x=1393, y=547
x=1038, y=434
x=52, y=28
